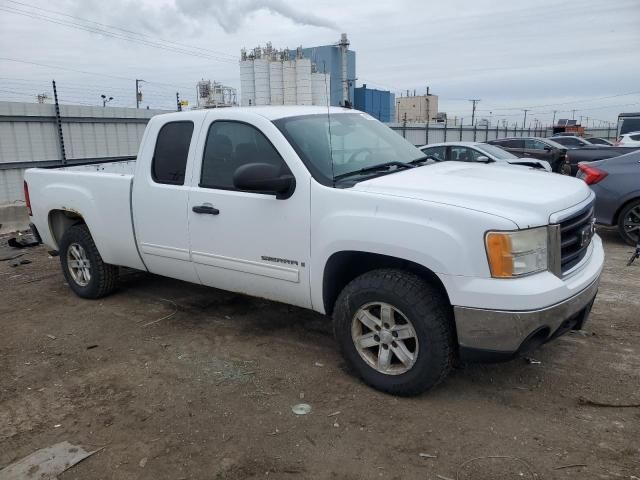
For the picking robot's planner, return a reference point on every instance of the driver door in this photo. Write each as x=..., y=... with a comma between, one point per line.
x=243, y=241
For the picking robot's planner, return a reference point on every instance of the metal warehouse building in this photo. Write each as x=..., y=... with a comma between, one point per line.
x=377, y=103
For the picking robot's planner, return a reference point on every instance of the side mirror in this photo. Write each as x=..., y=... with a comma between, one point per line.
x=264, y=178
x=547, y=149
x=483, y=159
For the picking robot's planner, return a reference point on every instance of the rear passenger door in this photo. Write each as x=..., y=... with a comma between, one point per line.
x=243, y=241
x=160, y=195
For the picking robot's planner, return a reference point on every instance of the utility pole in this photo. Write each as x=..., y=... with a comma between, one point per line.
x=573, y=114
x=138, y=92
x=524, y=123
x=553, y=122
x=178, y=102
x=474, y=102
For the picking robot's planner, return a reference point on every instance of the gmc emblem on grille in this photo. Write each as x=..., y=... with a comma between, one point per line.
x=585, y=234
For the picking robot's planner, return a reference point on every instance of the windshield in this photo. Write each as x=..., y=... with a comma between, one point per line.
x=551, y=143
x=356, y=141
x=496, y=152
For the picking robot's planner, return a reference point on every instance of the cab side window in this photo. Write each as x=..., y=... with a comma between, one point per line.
x=534, y=144
x=230, y=145
x=438, y=153
x=513, y=144
x=170, y=155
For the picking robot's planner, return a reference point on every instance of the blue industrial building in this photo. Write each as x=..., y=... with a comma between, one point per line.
x=377, y=103
x=328, y=59
x=328, y=56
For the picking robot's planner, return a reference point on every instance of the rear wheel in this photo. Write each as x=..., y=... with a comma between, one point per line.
x=395, y=331
x=85, y=271
x=629, y=223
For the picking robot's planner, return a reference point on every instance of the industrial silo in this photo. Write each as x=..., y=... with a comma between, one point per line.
x=320, y=88
x=247, y=83
x=303, y=81
x=276, y=82
x=289, y=82
x=261, y=77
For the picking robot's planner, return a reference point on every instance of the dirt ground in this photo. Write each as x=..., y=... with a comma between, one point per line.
x=179, y=381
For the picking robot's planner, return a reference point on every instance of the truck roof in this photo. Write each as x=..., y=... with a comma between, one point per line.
x=270, y=112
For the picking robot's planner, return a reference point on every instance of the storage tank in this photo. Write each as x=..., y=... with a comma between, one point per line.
x=289, y=82
x=247, y=83
x=320, y=89
x=303, y=81
x=276, y=83
x=261, y=78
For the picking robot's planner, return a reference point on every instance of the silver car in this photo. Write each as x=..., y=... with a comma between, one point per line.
x=478, y=152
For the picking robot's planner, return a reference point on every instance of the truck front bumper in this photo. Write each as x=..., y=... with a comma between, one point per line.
x=495, y=335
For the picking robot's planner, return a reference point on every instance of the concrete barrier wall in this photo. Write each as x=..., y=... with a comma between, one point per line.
x=29, y=137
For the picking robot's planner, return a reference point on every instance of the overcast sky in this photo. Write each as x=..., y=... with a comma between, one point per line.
x=544, y=55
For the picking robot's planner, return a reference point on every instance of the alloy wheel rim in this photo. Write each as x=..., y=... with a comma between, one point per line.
x=632, y=221
x=384, y=338
x=78, y=264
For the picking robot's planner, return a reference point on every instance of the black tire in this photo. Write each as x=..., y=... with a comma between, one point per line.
x=104, y=277
x=423, y=305
x=628, y=237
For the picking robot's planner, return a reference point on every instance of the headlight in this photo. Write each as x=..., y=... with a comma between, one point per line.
x=513, y=254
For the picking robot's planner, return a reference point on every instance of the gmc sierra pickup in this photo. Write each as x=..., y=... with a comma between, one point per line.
x=331, y=210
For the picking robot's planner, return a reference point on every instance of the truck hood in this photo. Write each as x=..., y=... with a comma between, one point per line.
x=527, y=197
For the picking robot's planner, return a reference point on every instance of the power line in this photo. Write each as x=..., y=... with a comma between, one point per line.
x=182, y=45
x=88, y=28
x=89, y=73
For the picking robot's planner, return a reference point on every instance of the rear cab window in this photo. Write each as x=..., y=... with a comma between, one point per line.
x=171, y=152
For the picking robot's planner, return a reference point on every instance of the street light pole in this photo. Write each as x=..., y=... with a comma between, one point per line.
x=105, y=100
x=524, y=123
x=138, y=92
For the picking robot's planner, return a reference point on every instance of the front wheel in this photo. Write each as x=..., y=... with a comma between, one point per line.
x=629, y=223
x=395, y=331
x=85, y=271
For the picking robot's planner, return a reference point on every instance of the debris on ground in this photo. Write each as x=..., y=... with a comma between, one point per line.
x=301, y=409
x=52, y=337
x=319, y=364
x=22, y=241
x=17, y=262
x=596, y=403
x=143, y=462
x=575, y=465
x=333, y=414
x=10, y=256
x=90, y=347
x=426, y=455
x=47, y=462
x=532, y=361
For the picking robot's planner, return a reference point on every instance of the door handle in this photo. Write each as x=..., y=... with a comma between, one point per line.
x=205, y=209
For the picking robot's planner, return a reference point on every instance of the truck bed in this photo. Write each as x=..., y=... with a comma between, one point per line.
x=100, y=194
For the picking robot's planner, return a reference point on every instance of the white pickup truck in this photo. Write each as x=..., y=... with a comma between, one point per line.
x=330, y=210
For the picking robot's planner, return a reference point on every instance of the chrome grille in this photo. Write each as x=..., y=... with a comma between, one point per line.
x=576, y=233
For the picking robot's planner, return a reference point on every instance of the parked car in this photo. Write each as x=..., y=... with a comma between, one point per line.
x=330, y=210
x=572, y=141
x=534, y=147
x=600, y=141
x=593, y=153
x=631, y=139
x=478, y=152
x=616, y=183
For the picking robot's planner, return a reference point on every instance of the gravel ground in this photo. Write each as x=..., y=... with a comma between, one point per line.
x=179, y=381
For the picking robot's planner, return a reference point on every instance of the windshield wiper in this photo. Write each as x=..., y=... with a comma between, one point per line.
x=374, y=168
x=422, y=160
